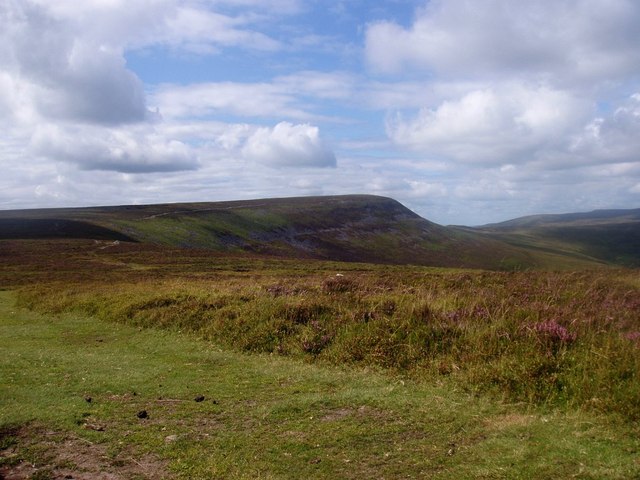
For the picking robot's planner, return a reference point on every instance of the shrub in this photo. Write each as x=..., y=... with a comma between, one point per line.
x=339, y=284
x=499, y=332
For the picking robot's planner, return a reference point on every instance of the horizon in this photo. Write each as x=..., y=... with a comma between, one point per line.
x=467, y=114
x=321, y=196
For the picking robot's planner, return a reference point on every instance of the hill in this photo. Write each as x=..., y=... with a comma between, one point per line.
x=611, y=236
x=355, y=228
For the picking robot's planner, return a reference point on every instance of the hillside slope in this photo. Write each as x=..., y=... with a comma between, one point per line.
x=361, y=228
x=611, y=236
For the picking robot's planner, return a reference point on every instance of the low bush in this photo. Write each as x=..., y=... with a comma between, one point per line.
x=548, y=338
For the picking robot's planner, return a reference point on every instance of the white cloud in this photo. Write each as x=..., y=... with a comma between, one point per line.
x=324, y=85
x=131, y=151
x=202, y=31
x=420, y=188
x=612, y=138
x=67, y=94
x=16, y=106
x=500, y=124
x=486, y=189
x=288, y=145
x=190, y=25
x=68, y=57
x=292, y=96
x=94, y=87
x=62, y=78
x=556, y=40
x=249, y=100
x=520, y=100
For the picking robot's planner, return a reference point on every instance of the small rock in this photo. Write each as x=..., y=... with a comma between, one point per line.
x=143, y=414
x=199, y=398
x=170, y=438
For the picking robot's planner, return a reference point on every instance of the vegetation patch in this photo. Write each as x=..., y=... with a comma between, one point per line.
x=120, y=402
x=223, y=366
x=566, y=339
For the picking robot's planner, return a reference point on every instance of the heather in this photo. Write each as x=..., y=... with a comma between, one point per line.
x=142, y=361
x=555, y=339
x=84, y=398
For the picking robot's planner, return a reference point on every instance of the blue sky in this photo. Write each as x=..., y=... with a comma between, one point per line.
x=468, y=112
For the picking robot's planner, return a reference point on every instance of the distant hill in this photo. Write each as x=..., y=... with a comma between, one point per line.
x=611, y=236
x=356, y=228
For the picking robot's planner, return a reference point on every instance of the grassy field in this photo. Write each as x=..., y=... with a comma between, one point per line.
x=317, y=369
x=262, y=416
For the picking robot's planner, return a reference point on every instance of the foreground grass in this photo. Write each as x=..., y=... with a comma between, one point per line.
x=562, y=339
x=264, y=416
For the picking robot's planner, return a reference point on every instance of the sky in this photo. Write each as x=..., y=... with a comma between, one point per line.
x=466, y=111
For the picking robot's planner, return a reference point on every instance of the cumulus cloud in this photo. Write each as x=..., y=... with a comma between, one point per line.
x=73, y=67
x=557, y=40
x=493, y=125
x=534, y=88
x=118, y=150
x=62, y=78
x=66, y=90
x=288, y=145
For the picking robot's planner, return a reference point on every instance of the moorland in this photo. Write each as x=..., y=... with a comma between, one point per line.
x=327, y=337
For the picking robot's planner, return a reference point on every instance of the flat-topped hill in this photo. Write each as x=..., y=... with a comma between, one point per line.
x=358, y=228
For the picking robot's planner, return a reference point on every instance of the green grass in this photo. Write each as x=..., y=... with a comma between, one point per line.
x=561, y=339
x=272, y=417
x=378, y=372
x=611, y=237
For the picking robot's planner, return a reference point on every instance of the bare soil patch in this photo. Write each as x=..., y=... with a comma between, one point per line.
x=30, y=452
